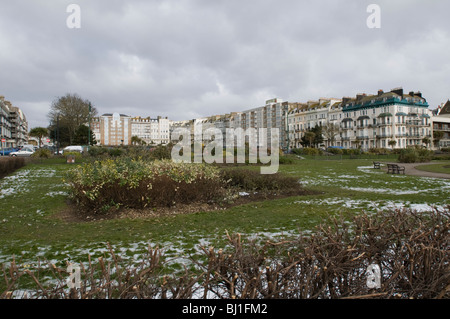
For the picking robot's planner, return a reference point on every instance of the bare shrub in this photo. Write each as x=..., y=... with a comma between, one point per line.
x=410, y=248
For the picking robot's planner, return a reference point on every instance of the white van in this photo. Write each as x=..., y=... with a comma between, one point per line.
x=73, y=149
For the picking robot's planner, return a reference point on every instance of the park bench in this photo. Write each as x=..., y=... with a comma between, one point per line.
x=377, y=165
x=395, y=169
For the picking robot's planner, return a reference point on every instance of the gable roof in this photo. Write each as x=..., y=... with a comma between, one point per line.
x=445, y=109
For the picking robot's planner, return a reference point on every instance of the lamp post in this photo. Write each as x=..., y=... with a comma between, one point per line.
x=57, y=134
x=286, y=110
x=89, y=126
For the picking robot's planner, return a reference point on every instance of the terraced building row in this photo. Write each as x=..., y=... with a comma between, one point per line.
x=393, y=119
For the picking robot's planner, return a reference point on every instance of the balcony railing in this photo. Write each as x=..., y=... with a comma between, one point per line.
x=414, y=135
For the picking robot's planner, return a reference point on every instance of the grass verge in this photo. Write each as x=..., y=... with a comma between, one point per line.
x=33, y=199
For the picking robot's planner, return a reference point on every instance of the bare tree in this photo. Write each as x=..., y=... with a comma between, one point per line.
x=72, y=111
x=330, y=131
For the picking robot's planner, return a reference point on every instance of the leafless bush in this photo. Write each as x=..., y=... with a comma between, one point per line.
x=411, y=249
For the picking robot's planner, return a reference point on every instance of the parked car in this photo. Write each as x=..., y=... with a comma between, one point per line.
x=8, y=150
x=30, y=146
x=23, y=152
x=73, y=149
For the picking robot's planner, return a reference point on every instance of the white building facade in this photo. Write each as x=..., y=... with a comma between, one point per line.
x=114, y=129
x=13, y=125
x=151, y=131
x=386, y=120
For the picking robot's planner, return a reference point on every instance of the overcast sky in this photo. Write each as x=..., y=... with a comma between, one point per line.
x=193, y=58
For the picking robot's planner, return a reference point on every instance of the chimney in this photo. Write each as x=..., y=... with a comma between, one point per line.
x=398, y=91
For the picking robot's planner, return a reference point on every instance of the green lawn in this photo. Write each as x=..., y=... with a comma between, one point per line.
x=31, y=198
x=441, y=167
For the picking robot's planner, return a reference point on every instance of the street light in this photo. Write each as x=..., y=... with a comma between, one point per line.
x=286, y=110
x=89, y=126
x=57, y=134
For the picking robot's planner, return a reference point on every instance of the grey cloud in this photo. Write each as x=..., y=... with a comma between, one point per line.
x=185, y=59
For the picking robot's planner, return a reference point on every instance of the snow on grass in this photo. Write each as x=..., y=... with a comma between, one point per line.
x=368, y=205
x=53, y=194
x=21, y=181
x=178, y=249
x=370, y=180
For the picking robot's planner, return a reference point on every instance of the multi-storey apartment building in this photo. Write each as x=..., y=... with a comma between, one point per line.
x=19, y=126
x=304, y=116
x=391, y=119
x=114, y=129
x=5, y=124
x=272, y=115
x=13, y=124
x=387, y=119
x=441, y=122
x=152, y=131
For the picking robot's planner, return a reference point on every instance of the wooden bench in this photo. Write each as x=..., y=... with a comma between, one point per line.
x=395, y=169
x=377, y=165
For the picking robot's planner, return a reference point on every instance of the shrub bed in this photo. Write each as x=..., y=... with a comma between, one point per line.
x=415, y=155
x=42, y=153
x=135, y=183
x=307, y=151
x=250, y=180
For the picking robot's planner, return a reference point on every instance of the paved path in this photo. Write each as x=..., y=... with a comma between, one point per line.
x=410, y=169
